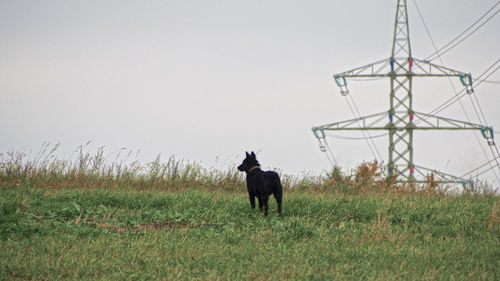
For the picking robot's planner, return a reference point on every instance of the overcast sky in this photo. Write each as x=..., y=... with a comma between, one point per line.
x=207, y=80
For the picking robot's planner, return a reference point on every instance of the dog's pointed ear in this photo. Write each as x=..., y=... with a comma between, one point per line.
x=253, y=155
x=247, y=155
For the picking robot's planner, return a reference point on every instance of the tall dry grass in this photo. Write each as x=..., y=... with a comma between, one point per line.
x=92, y=170
x=89, y=170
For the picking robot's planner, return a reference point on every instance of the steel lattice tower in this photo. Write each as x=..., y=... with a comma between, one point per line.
x=400, y=109
x=401, y=121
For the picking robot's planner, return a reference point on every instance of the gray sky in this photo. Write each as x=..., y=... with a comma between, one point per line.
x=207, y=80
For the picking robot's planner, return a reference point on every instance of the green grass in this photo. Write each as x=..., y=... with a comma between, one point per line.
x=89, y=219
x=198, y=234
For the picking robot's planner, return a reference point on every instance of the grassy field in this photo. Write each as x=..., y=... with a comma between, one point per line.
x=72, y=223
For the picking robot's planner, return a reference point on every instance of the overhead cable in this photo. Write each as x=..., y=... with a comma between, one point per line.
x=462, y=93
x=366, y=135
x=475, y=103
x=446, y=48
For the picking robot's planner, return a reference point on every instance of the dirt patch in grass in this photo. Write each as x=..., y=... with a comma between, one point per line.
x=145, y=226
x=164, y=224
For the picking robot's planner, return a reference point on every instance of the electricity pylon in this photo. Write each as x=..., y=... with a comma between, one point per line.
x=401, y=120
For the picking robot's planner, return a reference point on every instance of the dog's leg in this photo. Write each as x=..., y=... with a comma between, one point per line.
x=278, y=194
x=261, y=203
x=279, y=197
x=252, y=200
x=265, y=200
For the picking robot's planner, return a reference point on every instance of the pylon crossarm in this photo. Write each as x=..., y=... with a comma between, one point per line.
x=376, y=69
x=424, y=121
x=401, y=67
x=437, y=122
x=363, y=123
x=426, y=69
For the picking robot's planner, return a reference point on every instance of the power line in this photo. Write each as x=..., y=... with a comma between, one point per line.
x=439, y=56
x=482, y=166
x=334, y=164
x=367, y=132
x=462, y=93
x=481, y=112
x=476, y=169
x=437, y=52
x=493, y=147
x=324, y=147
x=491, y=81
x=478, y=110
x=463, y=39
x=329, y=157
x=425, y=26
x=371, y=145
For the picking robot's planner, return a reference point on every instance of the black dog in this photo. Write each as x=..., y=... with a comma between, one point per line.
x=261, y=184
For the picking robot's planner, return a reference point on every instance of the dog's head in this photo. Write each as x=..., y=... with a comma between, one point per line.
x=249, y=162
